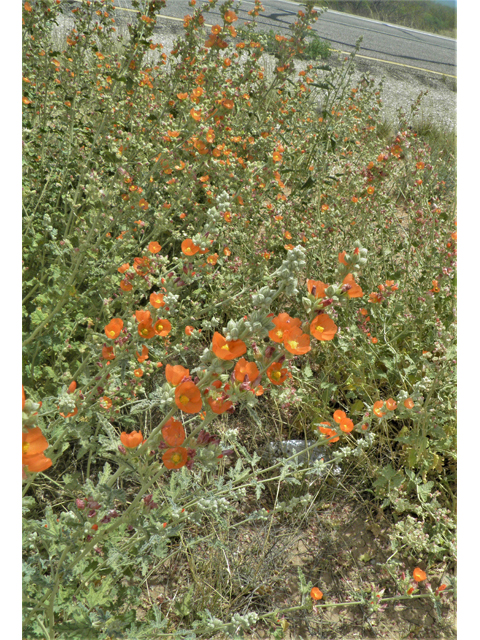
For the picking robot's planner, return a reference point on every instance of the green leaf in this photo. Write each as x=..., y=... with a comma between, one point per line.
x=307, y=371
x=357, y=406
x=308, y=183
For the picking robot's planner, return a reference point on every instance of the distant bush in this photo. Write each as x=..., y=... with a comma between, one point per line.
x=418, y=14
x=315, y=47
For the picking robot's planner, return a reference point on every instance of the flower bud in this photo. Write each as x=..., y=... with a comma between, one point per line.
x=269, y=351
x=30, y=406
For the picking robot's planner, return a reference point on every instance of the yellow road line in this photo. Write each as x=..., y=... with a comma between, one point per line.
x=398, y=64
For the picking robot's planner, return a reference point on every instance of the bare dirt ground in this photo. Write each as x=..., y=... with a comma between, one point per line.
x=340, y=546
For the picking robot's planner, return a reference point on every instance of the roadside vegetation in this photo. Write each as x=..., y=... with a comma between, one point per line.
x=424, y=15
x=218, y=259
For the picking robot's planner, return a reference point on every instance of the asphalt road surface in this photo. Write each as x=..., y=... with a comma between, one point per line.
x=389, y=43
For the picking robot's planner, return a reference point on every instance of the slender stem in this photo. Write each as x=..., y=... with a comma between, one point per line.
x=28, y=485
x=90, y=453
x=50, y=610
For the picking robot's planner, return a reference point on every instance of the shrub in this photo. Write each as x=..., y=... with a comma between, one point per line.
x=208, y=241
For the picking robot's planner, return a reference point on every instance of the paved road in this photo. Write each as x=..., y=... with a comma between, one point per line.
x=381, y=41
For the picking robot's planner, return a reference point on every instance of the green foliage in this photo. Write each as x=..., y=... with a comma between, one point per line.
x=315, y=47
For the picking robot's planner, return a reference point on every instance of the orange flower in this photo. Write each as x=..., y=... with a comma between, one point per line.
x=408, y=403
x=105, y=402
x=454, y=235
x=182, y=96
x=156, y=300
x=316, y=594
x=323, y=327
x=339, y=415
x=396, y=150
x=173, y=433
x=244, y=368
x=123, y=268
x=189, y=248
x=212, y=259
x=323, y=427
x=375, y=297
x=154, y=247
x=162, y=327
x=72, y=387
x=283, y=322
x=138, y=373
x=34, y=444
x=175, y=458
x=27, y=7
x=144, y=356
x=319, y=288
x=145, y=330
x=196, y=114
x=189, y=330
x=230, y=16
x=377, y=408
x=227, y=251
x=354, y=291
x=143, y=315
x=201, y=147
x=218, y=405
x=125, y=285
x=419, y=575
x=131, y=440
x=227, y=350
x=113, y=328
x=391, y=404
x=141, y=265
x=228, y=104
x=435, y=288
x=276, y=374
x=296, y=342
x=371, y=190
x=188, y=397
x=176, y=374
x=346, y=425
x=341, y=258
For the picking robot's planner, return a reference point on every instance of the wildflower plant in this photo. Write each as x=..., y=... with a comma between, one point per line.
x=200, y=242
